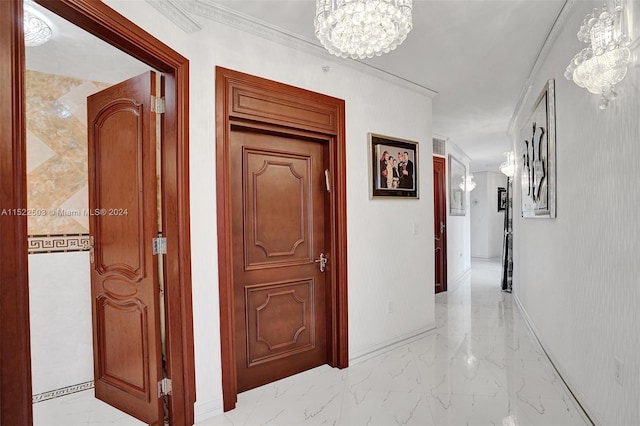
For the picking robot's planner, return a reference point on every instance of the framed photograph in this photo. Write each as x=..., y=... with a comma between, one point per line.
x=393, y=170
x=457, y=187
x=538, y=157
x=502, y=199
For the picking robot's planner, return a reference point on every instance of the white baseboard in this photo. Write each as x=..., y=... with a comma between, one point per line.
x=588, y=416
x=207, y=409
x=457, y=282
x=364, y=354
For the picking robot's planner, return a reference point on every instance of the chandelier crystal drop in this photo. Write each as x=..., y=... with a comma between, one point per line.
x=36, y=31
x=362, y=28
x=604, y=63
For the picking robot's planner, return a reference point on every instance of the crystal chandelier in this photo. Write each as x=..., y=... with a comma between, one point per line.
x=603, y=64
x=36, y=31
x=362, y=28
x=467, y=183
x=509, y=166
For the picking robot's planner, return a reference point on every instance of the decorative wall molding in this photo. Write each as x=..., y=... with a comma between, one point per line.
x=542, y=56
x=56, y=393
x=175, y=9
x=58, y=243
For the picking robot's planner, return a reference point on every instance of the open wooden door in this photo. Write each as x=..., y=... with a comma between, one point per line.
x=124, y=273
x=440, y=222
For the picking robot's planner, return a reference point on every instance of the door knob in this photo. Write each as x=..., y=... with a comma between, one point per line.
x=322, y=260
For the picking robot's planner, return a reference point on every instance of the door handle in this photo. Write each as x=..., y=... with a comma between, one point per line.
x=322, y=261
x=442, y=226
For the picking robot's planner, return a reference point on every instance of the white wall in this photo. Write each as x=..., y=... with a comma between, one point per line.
x=458, y=229
x=60, y=315
x=487, y=223
x=577, y=275
x=372, y=105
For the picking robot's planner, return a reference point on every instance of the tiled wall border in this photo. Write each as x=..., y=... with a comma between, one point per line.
x=56, y=393
x=58, y=243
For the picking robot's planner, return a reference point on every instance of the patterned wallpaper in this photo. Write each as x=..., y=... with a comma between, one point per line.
x=577, y=275
x=57, y=191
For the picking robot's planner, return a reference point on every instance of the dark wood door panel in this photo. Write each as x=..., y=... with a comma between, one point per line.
x=278, y=188
x=280, y=320
x=124, y=274
x=276, y=208
x=440, y=223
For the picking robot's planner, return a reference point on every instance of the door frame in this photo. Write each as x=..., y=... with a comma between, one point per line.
x=230, y=86
x=100, y=20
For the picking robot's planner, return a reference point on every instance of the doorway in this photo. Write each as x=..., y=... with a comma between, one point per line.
x=440, y=222
x=281, y=188
x=100, y=20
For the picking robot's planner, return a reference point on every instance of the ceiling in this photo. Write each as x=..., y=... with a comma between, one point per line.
x=476, y=54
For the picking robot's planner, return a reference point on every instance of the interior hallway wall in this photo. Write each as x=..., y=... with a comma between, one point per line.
x=458, y=228
x=391, y=286
x=487, y=223
x=577, y=275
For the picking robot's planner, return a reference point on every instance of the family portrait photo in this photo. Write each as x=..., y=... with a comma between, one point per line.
x=393, y=167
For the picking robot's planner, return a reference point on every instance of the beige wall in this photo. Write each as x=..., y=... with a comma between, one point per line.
x=57, y=152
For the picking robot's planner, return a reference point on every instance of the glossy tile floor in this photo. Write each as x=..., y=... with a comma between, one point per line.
x=481, y=366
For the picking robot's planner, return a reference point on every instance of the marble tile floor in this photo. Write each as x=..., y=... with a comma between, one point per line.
x=481, y=366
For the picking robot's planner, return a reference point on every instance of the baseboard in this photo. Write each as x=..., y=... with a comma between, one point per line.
x=67, y=390
x=388, y=345
x=587, y=415
x=207, y=409
x=457, y=282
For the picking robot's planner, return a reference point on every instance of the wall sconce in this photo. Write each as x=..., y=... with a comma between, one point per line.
x=509, y=166
x=470, y=184
x=603, y=64
x=36, y=31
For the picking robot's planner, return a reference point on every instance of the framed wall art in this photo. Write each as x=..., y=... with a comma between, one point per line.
x=502, y=199
x=538, y=157
x=457, y=187
x=393, y=170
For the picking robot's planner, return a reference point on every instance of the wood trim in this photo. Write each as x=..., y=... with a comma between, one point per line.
x=226, y=81
x=103, y=22
x=15, y=355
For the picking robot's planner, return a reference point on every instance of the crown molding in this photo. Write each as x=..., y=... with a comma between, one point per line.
x=542, y=56
x=175, y=12
x=215, y=12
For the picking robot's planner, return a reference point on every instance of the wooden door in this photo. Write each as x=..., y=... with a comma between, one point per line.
x=278, y=204
x=440, y=222
x=124, y=273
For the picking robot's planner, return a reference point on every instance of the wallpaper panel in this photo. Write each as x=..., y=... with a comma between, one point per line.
x=577, y=275
x=57, y=192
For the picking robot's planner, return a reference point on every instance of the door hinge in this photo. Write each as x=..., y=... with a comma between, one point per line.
x=160, y=245
x=157, y=105
x=164, y=387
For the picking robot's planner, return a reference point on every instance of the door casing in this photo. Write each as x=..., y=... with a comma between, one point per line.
x=237, y=97
x=100, y=20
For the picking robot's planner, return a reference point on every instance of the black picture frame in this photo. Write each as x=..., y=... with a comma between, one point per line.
x=502, y=199
x=387, y=178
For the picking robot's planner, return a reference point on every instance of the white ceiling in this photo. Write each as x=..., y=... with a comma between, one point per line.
x=477, y=54
x=73, y=52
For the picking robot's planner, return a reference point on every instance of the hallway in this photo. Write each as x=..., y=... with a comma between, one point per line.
x=481, y=366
